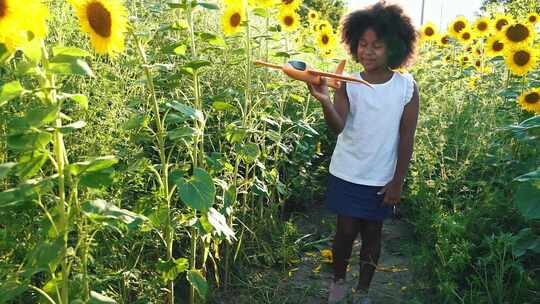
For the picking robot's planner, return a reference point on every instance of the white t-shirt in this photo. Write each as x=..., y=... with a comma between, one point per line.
x=366, y=150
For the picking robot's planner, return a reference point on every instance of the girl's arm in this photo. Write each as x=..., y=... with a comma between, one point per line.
x=405, y=149
x=335, y=113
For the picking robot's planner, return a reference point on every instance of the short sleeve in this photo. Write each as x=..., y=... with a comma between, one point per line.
x=409, y=88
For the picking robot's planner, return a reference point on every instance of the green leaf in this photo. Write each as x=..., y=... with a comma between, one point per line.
x=183, y=132
x=30, y=163
x=282, y=54
x=198, y=191
x=29, y=140
x=47, y=255
x=222, y=106
x=106, y=213
x=80, y=99
x=528, y=200
x=136, y=121
x=210, y=6
x=97, y=179
x=41, y=115
x=219, y=222
x=70, y=51
x=230, y=196
x=212, y=39
x=197, y=280
x=248, y=151
x=68, y=65
x=97, y=298
x=186, y=110
x=5, y=168
x=261, y=12
x=26, y=191
x=72, y=127
x=11, y=289
x=9, y=91
x=526, y=239
x=534, y=175
x=197, y=64
x=171, y=268
x=94, y=165
x=177, y=48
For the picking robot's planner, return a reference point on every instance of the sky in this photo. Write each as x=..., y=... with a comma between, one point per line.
x=440, y=12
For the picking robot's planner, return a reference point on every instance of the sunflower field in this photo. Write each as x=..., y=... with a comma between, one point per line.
x=145, y=158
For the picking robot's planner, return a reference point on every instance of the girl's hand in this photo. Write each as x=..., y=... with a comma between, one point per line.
x=320, y=92
x=392, y=193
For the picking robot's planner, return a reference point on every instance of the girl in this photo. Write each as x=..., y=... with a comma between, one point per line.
x=376, y=128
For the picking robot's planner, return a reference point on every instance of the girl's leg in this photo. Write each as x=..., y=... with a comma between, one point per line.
x=346, y=231
x=371, y=233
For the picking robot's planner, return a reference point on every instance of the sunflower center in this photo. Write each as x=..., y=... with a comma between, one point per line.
x=459, y=26
x=3, y=8
x=325, y=39
x=521, y=58
x=429, y=31
x=466, y=36
x=500, y=24
x=498, y=46
x=532, y=19
x=444, y=40
x=99, y=18
x=235, y=19
x=288, y=20
x=482, y=26
x=532, y=98
x=478, y=63
x=517, y=33
x=313, y=15
x=287, y=2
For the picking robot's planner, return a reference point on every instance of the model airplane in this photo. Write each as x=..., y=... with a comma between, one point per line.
x=300, y=71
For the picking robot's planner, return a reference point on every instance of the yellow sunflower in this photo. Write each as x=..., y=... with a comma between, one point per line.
x=313, y=16
x=443, y=40
x=481, y=27
x=232, y=19
x=495, y=46
x=500, y=21
x=21, y=21
x=323, y=25
x=106, y=23
x=289, y=20
x=329, y=53
x=518, y=33
x=428, y=32
x=465, y=59
x=326, y=39
x=466, y=36
x=533, y=18
x=457, y=26
x=521, y=59
x=448, y=58
x=290, y=4
x=530, y=100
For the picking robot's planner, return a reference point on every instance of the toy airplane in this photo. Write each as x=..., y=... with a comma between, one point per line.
x=300, y=71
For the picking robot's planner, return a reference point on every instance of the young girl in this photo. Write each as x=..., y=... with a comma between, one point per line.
x=376, y=128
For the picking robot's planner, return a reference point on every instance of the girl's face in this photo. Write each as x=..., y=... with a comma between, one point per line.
x=371, y=52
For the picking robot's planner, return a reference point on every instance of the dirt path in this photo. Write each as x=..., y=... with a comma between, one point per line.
x=308, y=282
x=391, y=278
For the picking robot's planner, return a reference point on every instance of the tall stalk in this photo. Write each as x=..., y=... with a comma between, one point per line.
x=164, y=176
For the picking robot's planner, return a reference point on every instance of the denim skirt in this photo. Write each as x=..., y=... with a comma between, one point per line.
x=355, y=200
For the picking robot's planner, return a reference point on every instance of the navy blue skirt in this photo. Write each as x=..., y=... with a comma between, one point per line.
x=355, y=200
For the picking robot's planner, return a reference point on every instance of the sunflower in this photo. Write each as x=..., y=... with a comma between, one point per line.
x=495, y=46
x=457, y=26
x=290, y=4
x=516, y=33
x=466, y=36
x=322, y=25
x=313, y=16
x=481, y=27
x=18, y=19
x=106, y=23
x=530, y=100
x=289, y=20
x=500, y=21
x=533, y=18
x=329, y=53
x=443, y=40
x=232, y=19
x=521, y=59
x=448, y=58
x=465, y=59
x=428, y=32
x=326, y=39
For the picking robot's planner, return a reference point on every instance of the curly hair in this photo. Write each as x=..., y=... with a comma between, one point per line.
x=390, y=23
